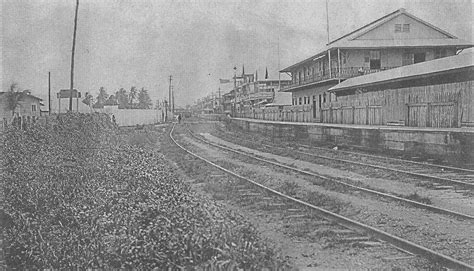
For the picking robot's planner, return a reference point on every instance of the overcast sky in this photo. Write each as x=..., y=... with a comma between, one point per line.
x=140, y=43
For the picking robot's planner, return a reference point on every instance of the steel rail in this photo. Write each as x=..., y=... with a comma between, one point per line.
x=398, y=242
x=367, y=190
x=442, y=179
x=392, y=159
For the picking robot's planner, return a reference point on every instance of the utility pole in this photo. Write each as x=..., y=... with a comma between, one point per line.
x=49, y=93
x=172, y=96
x=165, y=104
x=220, y=100
x=169, y=94
x=72, y=56
x=327, y=18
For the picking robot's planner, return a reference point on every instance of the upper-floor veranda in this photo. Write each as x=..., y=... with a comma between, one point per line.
x=341, y=64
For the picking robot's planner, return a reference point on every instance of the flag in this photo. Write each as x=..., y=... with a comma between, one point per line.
x=224, y=81
x=266, y=73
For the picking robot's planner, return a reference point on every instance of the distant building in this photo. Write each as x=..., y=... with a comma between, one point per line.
x=395, y=40
x=23, y=102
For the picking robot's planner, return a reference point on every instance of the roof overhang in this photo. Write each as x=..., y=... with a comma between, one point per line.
x=443, y=66
x=312, y=84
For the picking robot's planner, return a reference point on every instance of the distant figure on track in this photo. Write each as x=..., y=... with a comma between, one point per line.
x=179, y=118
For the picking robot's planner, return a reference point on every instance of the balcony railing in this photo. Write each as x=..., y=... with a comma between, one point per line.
x=344, y=73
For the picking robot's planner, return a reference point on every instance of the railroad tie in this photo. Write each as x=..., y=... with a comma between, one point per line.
x=398, y=258
x=442, y=187
x=250, y=194
x=295, y=216
x=355, y=239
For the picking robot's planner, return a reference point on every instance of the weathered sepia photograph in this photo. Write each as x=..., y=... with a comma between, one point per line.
x=237, y=135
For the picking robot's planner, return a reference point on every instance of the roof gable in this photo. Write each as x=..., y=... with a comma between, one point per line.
x=381, y=34
x=383, y=28
x=417, y=30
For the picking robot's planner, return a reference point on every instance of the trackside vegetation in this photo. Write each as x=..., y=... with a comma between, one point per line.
x=78, y=193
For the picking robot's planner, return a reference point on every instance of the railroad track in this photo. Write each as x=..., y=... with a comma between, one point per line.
x=446, y=175
x=359, y=229
x=351, y=186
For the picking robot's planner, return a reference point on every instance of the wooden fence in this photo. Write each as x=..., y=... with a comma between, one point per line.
x=443, y=105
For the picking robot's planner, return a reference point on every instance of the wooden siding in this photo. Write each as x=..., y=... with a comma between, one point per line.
x=443, y=105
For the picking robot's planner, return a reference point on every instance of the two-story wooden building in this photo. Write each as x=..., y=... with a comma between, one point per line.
x=395, y=40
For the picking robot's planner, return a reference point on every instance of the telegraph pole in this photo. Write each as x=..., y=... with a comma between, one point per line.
x=172, y=96
x=72, y=56
x=49, y=93
x=169, y=94
x=220, y=100
x=327, y=19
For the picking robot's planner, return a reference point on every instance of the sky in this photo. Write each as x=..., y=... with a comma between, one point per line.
x=142, y=42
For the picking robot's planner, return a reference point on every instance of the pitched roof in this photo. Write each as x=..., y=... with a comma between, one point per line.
x=428, y=68
x=349, y=40
x=22, y=94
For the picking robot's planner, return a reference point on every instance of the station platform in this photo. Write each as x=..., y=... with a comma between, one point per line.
x=369, y=127
x=452, y=144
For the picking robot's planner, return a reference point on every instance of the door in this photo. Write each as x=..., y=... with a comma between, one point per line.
x=375, y=63
x=314, y=106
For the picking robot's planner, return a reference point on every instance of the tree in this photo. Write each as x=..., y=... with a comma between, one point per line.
x=144, y=100
x=88, y=99
x=122, y=98
x=102, y=97
x=112, y=100
x=14, y=96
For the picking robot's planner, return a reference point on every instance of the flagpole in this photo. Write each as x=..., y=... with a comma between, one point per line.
x=279, y=75
x=327, y=18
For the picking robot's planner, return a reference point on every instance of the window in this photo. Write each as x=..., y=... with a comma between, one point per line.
x=300, y=100
x=439, y=53
x=398, y=28
x=406, y=28
x=344, y=56
x=33, y=107
x=419, y=57
x=407, y=58
x=375, y=60
x=402, y=28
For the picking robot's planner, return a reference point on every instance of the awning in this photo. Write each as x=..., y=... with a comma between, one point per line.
x=428, y=68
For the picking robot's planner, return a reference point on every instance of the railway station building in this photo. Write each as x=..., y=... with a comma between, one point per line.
x=394, y=40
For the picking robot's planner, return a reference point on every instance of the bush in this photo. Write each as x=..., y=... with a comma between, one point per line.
x=78, y=195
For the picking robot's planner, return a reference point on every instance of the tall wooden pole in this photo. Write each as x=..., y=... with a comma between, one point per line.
x=72, y=56
x=327, y=18
x=169, y=94
x=49, y=93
